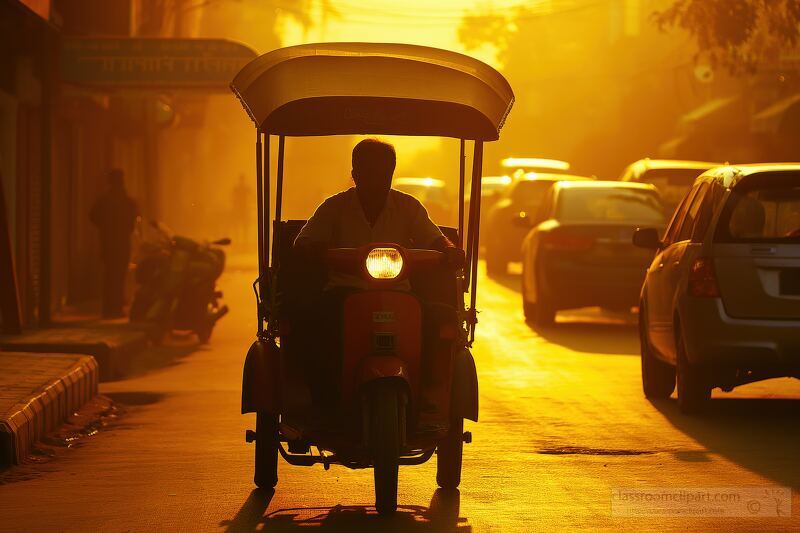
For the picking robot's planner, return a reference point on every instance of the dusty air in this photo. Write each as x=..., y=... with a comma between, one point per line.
x=444, y=265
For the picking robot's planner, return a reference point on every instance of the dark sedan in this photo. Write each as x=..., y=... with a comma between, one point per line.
x=579, y=251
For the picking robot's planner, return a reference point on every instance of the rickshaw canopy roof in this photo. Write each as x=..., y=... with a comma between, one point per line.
x=372, y=88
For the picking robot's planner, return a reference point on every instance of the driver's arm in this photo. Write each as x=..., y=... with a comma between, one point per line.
x=425, y=231
x=317, y=234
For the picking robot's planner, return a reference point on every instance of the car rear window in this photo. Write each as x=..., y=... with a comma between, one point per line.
x=671, y=177
x=530, y=192
x=762, y=210
x=610, y=205
x=672, y=183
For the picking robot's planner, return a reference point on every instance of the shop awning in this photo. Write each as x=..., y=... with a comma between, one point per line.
x=773, y=119
x=710, y=110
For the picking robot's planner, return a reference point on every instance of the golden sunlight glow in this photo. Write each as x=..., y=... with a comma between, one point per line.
x=384, y=263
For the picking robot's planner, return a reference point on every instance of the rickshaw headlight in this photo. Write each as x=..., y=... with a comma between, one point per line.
x=384, y=263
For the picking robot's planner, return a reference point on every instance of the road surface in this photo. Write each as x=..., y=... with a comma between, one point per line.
x=563, y=424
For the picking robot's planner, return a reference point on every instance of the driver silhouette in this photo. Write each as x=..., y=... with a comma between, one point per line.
x=370, y=212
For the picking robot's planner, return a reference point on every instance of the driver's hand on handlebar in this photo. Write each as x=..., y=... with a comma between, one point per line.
x=454, y=257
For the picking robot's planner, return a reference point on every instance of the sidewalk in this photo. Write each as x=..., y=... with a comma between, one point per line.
x=38, y=391
x=113, y=344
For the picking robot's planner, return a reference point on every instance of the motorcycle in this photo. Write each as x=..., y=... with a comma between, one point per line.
x=176, y=278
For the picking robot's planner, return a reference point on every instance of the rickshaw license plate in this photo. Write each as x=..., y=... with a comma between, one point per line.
x=384, y=341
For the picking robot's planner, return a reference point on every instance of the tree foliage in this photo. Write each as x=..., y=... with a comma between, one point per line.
x=740, y=35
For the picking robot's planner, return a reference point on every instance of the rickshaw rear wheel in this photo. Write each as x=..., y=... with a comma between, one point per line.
x=448, y=456
x=385, y=446
x=266, y=467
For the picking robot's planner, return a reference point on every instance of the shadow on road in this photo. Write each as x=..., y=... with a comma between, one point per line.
x=760, y=434
x=592, y=337
x=441, y=515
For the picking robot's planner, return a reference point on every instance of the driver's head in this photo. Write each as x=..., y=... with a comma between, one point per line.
x=373, y=166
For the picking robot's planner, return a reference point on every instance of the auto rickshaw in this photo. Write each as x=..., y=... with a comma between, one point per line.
x=405, y=386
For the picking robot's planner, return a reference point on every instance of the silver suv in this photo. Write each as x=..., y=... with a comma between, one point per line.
x=720, y=305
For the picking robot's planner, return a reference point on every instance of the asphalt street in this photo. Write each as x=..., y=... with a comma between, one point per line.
x=563, y=424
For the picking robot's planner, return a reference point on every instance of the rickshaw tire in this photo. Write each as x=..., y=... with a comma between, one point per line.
x=266, y=460
x=385, y=446
x=449, y=455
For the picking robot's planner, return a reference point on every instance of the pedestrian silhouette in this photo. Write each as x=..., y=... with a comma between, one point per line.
x=114, y=213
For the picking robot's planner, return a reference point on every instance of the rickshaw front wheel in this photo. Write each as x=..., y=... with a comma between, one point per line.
x=448, y=456
x=385, y=446
x=266, y=471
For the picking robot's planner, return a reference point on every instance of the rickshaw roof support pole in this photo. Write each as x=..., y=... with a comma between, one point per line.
x=278, y=199
x=260, y=219
x=461, y=172
x=470, y=228
x=267, y=204
x=475, y=207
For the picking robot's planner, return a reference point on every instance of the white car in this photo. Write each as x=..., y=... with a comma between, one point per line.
x=720, y=305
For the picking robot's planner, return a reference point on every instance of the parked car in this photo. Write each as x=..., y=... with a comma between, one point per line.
x=492, y=189
x=579, y=251
x=673, y=178
x=433, y=195
x=720, y=306
x=522, y=198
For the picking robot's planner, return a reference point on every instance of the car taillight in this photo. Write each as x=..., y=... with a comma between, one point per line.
x=564, y=241
x=384, y=263
x=703, y=279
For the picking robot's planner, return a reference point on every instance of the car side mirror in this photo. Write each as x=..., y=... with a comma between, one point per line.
x=221, y=242
x=522, y=220
x=646, y=238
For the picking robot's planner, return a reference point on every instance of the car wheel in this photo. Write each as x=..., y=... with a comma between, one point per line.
x=528, y=308
x=658, y=377
x=495, y=265
x=545, y=312
x=694, y=391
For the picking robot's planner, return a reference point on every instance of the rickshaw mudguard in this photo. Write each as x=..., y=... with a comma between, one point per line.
x=382, y=366
x=465, y=386
x=261, y=378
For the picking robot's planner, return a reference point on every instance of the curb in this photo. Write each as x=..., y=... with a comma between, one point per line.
x=44, y=411
x=113, y=350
